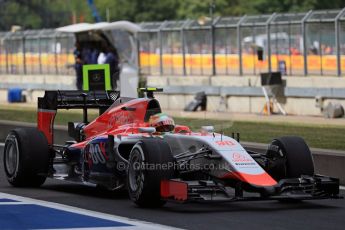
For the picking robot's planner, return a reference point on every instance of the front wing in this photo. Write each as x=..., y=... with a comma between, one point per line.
x=303, y=188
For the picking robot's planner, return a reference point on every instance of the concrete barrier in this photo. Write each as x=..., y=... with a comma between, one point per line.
x=327, y=162
x=241, y=93
x=244, y=94
x=253, y=81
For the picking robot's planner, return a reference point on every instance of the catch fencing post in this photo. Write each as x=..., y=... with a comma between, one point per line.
x=239, y=43
x=160, y=48
x=268, y=29
x=305, y=50
x=183, y=44
x=337, y=41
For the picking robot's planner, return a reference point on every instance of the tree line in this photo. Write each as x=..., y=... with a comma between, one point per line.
x=37, y=14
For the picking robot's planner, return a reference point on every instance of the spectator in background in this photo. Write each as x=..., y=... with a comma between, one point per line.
x=94, y=54
x=86, y=53
x=112, y=58
x=314, y=48
x=294, y=51
x=326, y=49
x=101, y=56
x=108, y=55
x=78, y=66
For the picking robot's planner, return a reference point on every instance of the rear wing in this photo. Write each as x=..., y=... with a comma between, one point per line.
x=68, y=99
x=72, y=99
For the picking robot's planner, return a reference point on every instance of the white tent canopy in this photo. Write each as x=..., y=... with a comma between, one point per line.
x=129, y=76
x=83, y=27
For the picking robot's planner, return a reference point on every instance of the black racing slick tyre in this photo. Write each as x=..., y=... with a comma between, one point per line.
x=150, y=161
x=298, y=158
x=26, y=157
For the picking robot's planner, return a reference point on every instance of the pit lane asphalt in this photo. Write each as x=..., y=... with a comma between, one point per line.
x=322, y=214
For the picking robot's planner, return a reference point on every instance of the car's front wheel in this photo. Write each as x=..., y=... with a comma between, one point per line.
x=150, y=162
x=291, y=158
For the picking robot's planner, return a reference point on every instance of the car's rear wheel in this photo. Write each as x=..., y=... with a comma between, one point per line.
x=296, y=154
x=150, y=161
x=26, y=157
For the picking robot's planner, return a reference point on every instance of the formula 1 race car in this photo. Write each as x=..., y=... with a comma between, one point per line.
x=157, y=162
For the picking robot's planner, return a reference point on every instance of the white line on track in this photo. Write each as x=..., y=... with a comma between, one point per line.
x=13, y=203
x=2, y=144
x=137, y=224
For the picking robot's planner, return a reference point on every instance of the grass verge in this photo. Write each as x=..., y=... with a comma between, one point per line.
x=328, y=137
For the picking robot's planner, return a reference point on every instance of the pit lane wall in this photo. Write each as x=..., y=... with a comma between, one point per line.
x=241, y=94
x=244, y=94
x=327, y=162
x=33, y=86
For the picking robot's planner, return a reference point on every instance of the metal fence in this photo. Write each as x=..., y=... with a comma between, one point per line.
x=311, y=43
x=36, y=52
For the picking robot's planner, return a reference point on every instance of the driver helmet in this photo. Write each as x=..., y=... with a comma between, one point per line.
x=162, y=122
